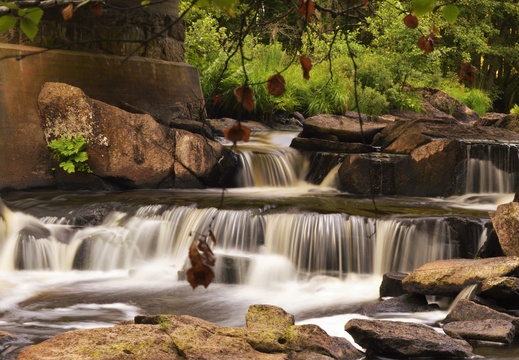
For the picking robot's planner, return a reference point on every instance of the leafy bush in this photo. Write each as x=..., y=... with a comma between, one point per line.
x=514, y=109
x=476, y=99
x=71, y=154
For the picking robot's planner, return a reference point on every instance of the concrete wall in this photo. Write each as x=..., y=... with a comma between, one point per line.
x=167, y=90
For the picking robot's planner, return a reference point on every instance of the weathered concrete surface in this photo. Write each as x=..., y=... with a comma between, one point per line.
x=166, y=90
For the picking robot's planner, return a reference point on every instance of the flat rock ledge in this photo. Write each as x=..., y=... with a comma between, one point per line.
x=449, y=277
x=269, y=333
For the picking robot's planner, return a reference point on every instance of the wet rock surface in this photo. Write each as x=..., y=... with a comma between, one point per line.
x=396, y=339
x=452, y=276
x=486, y=330
x=270, y=334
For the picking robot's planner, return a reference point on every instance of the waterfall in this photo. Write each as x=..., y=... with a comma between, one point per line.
x=280, y=167
x=491, y=168
x=297, y=244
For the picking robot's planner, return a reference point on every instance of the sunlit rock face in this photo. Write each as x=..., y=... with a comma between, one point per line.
x=133, y=150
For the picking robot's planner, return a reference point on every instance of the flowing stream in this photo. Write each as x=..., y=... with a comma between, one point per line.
x=92, y=259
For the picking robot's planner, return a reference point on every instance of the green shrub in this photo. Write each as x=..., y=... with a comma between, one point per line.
x=476, y=99
x=71, y=153
x=515, y=109
x=404, y=100
x=371, y=102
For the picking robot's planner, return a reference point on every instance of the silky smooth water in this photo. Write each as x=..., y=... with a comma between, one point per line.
x=91, y=259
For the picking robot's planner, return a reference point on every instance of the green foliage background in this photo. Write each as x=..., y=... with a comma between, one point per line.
x=388, y=63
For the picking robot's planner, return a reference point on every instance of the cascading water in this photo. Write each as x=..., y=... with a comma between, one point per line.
x=314, y=244
x=306, y=248
x=491, y=168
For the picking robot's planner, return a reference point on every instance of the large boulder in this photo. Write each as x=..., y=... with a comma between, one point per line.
x=342, y=128
x=270, y=334
x=132, y=150
x=397, y=339
x=145, y=84
x=444, y=102
x=402, y=137
x=506, y=225
x=449, y=277
x=420, y=157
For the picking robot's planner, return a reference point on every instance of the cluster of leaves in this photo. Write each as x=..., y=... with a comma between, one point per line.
x=202, y=261
x=27, y=19
x=71, y=153
x=240, y=81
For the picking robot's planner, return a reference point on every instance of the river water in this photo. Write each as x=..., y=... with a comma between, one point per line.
x=78, y=260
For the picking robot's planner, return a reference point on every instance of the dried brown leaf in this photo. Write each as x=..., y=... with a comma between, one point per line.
x=276, y=85
x=306, y=64
x=245, y=96
x=306, y=9
x=207, y=255
x=68, y=12
x=97, y=9
x=200, y=275
x=237, y=133
x=411, y=21
x=468, y=72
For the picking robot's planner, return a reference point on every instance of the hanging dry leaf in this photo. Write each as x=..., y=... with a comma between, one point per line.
x=200, y=272
x=200, y=275
x=207, y=255
x=217, y=99
x=468, y=72
x=411, y=21
x=306, y=64
x=276, y=85
x=426, y=43
x=237, y=133
x=245, y=96
x=68, y=12
x=97, y=9
x=306, y=9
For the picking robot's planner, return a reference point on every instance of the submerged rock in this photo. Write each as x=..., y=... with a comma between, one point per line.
x=397, y=339
x=448, y=277
x=270, y=334
x=405, y=303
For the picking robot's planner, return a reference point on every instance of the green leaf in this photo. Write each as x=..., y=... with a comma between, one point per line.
x=68, y=166
x=226, y=6
x=29, y=28
x=422, y=7
x=83, y=3
x=33, y=14
x=450, y=13
x=80, y=157
x=7, y=22
x=11, y=5
x=145, y=2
